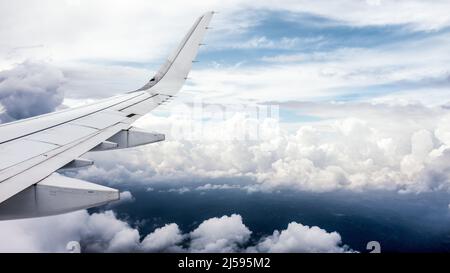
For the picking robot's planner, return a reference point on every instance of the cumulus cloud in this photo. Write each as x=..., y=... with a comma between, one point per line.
x=30, y=89
x=405, y=152
x=96, y=232
x=104, y=232
x=125, y=197
x=165, y=239
x=301, y=239
x=225, y=234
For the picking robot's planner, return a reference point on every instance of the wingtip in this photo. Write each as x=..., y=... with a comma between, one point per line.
x=157, y=80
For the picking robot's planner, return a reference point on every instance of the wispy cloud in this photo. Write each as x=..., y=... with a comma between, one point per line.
x=262, y=42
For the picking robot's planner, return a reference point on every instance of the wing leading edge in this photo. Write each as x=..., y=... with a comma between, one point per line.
x=32, y=150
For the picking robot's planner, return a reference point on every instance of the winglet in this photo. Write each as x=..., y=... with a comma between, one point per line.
x=172, y=74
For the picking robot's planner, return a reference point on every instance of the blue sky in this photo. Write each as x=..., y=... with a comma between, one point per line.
x=342, y=55
x=308, y=33
x=316, y=38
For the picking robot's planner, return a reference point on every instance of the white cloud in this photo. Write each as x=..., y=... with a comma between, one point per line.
x=262, y=42
x=180, y=190
x=209, y=186
x=96, y=232
x=165, y=239
x=225, y=234
x=30, y=89
x=125, y=197
x=442, y=132
x=103, y=232
x=398, y=148
x=300, y=238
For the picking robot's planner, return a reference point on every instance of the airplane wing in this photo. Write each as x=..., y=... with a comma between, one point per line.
x=33, y=149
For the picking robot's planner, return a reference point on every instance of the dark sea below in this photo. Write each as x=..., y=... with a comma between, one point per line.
x=399, y=222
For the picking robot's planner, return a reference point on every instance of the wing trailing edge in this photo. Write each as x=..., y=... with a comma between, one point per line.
x=56, y=194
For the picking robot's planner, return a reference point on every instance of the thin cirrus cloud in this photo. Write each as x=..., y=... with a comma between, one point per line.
x=341, y=74
x=104, y=232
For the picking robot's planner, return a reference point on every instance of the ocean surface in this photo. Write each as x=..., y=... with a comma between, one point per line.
x=399, y=222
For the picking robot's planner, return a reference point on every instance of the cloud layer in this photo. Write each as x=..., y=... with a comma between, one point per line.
x=103, y=232
x=386, y=148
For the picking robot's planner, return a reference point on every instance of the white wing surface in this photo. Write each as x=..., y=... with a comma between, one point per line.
x=33, y=149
